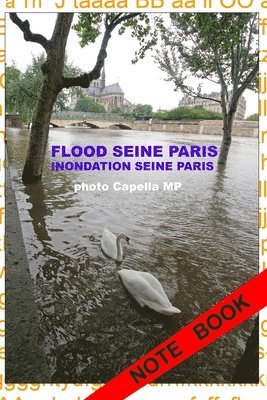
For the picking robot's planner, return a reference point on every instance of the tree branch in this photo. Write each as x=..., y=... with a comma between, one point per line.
x=247, y=81
x=85, y=79
x=213, y=80
x=250, y=37
x=190, y=92
x=24, y=26
x=118, y=21
x=81, y=80
x=117, y=16
x=224, y=90
x=200, y=96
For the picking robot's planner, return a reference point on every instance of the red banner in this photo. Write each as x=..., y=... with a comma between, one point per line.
x=205, y=329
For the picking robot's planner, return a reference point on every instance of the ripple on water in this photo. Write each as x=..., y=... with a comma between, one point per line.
x=200, y=242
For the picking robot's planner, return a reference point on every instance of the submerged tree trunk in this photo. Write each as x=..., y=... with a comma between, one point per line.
x=247, y=369
x=52, y=85
x=39, y=134
x=227, y=137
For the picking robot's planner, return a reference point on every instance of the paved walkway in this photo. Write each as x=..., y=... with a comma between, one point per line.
x=25, y=361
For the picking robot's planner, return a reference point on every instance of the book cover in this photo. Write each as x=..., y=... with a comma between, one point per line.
x=131, y=226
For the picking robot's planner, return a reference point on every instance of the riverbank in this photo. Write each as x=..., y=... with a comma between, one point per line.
x=241, y=128
x=25, y=360
x=205, y=127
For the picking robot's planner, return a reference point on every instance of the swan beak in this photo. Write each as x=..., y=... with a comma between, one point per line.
x=127, y=240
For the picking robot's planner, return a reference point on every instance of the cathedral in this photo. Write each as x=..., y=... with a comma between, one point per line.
x=111, y=96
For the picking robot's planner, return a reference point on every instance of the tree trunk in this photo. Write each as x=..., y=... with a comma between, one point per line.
x=247, y=369
x=39, y=134
x=52, y=85
x=227, y=137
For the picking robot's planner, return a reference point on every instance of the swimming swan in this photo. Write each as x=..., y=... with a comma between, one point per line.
x=111, y=244
x=147, y=291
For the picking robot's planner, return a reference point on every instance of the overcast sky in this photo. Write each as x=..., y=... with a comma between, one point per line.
x=142, y=82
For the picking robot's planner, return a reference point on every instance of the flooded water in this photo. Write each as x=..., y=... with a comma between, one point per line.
x=199, y=241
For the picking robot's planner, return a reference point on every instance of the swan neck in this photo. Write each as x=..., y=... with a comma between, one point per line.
x=118, y=241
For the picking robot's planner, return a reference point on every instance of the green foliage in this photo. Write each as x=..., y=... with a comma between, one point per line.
x=13, y=77
x=142, y=110
x=86, y=104
x=88, y=27
x=144, y=27
x=215, y=38
x=127, y=115
x=186, y=113
x=21, y=92
x=116, y=110
x=220, y=47
x=253, y=117
x=23, y=88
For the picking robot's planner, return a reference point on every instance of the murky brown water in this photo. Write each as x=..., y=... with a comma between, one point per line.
x=200, y=242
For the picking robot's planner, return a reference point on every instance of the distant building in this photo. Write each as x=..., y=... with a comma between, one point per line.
x=111, y=96
x=189, y=101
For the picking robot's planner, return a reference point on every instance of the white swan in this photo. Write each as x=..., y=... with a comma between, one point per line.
x=111, y=244
x=147, y=291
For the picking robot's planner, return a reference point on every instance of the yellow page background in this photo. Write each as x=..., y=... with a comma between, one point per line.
x=153, y=391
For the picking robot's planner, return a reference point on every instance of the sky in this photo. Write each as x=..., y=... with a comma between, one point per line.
x=142, y=83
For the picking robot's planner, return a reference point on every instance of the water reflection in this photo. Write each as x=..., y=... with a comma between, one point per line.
x=38, y=211
x=200, y=242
